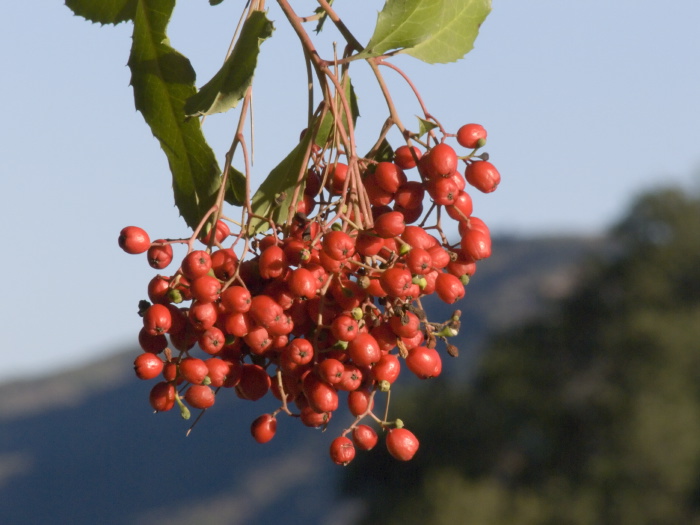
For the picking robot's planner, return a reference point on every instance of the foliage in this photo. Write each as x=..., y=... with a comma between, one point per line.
x=229, y=85
x=436, y=31
x=589, y=416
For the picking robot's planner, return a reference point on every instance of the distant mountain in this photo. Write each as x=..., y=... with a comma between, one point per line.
x=83, y=447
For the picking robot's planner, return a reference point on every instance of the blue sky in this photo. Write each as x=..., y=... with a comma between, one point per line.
x=586, y=104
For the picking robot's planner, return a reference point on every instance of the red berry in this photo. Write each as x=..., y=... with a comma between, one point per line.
x=440, y=161
x=196, y=264
x=273, y=262
x=344, y=328
x=159, y=255
x=419, y=261
x=416, y=340
x=205, y=289
x=483, y=176
x=236, y=299
x=364, y=350
x=396, y=282
x=193, y=370
x=424, y=362
x=158, y=289
x=389, y=176
x=148, y=366
x=439, y=256
x=410, y=195
x=449, y=288
x=224, y=263
x=310, y=418
x=351, y=380
x=337, y=175
x=200, y=396
x=406, y=325
x=313, y=183
x=471, y=136
x=264, y=310
x=133, y=239
x=222, y=372
x=474, y=223
x=302, y=283
x=387, y=368
x=258, y=340
x=157, y=319
x=254, y=382
x=461, y=266
x=238, y=324
x=459, y=180
x=476, y=244
x=330, y=370
x=342, y=451
x=221, y=232
x=390, y=224
x=162, y=396
x=404, y=159
x=462, y=207
x=348, y=294
x=152, y=343
x=385, y=336
x=202, y=315
x=338, y=245
x=212, y=340
x=417, y=237
x=359, y=401
x=170, y=372
x=378, y=196
x=365, y=437
x=299, y=351
x=368, y=244
x=322, y=397
x=306, y=204
x=442, y=190
x=410, y=216
x=401, y=443
x=263, y=428
x=267, y=241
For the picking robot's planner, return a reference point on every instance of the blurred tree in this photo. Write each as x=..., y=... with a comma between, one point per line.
x=591, y=416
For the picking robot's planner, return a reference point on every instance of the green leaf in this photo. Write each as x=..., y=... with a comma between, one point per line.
x=424, y=126
x=215, y=2
x=437, y=31
x=229, y=85
x=327, y=124
x=235, y=188
x=324, y=17
x=384, y=153
x=104, y=11
x=274, y=197
x=162, y=80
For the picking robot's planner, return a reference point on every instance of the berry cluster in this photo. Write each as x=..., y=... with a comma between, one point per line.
x=329, y=303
